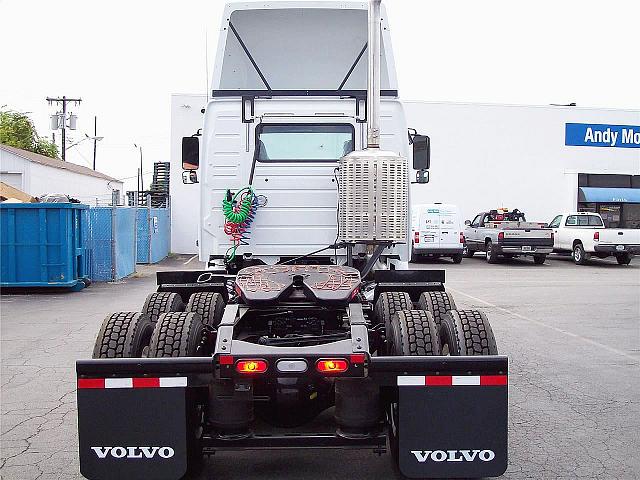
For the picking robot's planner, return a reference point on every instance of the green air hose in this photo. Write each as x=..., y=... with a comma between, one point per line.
x=239, y=210
x=242, y=209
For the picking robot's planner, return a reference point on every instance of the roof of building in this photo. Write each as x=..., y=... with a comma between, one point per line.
x=56, y=163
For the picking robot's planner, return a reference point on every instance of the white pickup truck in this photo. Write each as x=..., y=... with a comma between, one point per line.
x=584, y=235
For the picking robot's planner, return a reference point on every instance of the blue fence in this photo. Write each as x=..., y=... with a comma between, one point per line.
x=124, y=236
x=154, y=234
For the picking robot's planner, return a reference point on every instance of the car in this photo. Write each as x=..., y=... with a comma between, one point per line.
x=584, y=235
x=506, y=233
x=437, y=231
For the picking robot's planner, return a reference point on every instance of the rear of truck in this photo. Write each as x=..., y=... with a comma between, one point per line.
x=246, y=355
x=255, y=373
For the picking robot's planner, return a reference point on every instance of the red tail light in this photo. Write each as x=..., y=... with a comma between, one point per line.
x=416, y=237
x=461, y=237
x=251, y=366
x=500, y=236
x=596, y=236
x=332, y=365
x=553, y=236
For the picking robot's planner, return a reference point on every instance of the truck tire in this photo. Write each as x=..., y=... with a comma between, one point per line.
x=209, y=305
x=490, y=253
x=579, y=255
x=123, y=335
x=623, y=259
x=467, y=252
x=457, y=258
x=177, y=334
x=413, y=333
x=387, y=305
x=438, y=304
x=467, y=332
x=158, y=303
x=539, y=259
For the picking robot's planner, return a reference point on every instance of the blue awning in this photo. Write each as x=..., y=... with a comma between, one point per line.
x=608, y=195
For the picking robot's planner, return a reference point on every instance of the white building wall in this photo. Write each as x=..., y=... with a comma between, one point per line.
x=39, y=179
x=482, y=157
x=12, y=167
x=488, y=156
x=85, y=188
x=186, y=119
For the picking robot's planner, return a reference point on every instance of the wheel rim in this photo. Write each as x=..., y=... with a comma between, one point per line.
x=577, y=254
x=488, y=251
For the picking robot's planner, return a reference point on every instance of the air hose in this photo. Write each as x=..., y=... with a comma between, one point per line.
x=239, y=211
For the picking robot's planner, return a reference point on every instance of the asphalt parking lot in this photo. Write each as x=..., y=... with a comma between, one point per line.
x=572, y=334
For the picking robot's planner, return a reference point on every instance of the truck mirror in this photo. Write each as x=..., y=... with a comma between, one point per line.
x=467, y=222
x=190, y=153
x=189, y=177
x=421, y=152
x=422, y=176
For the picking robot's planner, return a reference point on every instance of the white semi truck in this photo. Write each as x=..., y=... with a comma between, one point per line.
x=307, y=303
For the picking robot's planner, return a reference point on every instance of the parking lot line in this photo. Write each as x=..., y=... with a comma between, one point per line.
x=551, y=327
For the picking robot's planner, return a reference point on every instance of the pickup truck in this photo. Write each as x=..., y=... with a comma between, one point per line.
x=507, y=234
x=585, y=235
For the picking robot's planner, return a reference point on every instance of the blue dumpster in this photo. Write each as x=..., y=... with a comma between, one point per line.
x=44, y=245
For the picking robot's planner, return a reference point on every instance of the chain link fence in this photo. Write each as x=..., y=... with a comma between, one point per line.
x=122, y=236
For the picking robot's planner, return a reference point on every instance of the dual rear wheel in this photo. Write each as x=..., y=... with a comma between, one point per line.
x=164, y=328
x=436, y=328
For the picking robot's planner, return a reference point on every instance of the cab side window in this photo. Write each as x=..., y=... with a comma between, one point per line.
x=572, y=220
x=555, y=223
x=476, y=221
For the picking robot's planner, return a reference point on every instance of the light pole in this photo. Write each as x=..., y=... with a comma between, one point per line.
x=141, y=183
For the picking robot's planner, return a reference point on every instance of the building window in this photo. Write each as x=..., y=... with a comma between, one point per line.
x=631, y=215
x=610, y=213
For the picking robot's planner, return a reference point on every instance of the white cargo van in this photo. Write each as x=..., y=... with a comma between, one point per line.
x=437, y=231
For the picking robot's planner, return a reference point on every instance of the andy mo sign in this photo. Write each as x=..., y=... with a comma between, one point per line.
x=599, y=135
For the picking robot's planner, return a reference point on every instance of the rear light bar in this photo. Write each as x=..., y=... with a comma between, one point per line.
x=416, y=237
x=231, y=366
x=251, y=366
x=461, y=237
x=596, y=236
x=332, y=365
x=500, y=236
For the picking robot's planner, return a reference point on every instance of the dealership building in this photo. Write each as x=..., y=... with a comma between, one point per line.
x=543, y=160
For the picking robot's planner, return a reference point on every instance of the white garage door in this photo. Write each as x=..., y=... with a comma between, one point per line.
x=12, y=179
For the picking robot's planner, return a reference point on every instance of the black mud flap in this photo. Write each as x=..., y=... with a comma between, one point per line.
x=452, y=415
x=132, y=433
x=133, y=416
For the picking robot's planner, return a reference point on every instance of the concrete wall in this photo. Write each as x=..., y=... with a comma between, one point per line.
x=39, y=179
x=482, y=157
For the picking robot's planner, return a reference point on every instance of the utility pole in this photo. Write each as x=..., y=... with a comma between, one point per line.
x=95, y=139
x=63, y=124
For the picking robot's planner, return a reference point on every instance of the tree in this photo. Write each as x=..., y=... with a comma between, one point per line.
x=17, y=130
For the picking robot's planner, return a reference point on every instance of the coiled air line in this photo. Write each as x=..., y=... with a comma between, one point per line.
x=239, y=210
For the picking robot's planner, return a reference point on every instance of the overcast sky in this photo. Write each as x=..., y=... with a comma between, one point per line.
x=125, y=59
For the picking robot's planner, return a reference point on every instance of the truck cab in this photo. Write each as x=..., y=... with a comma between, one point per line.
x=280, y=124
